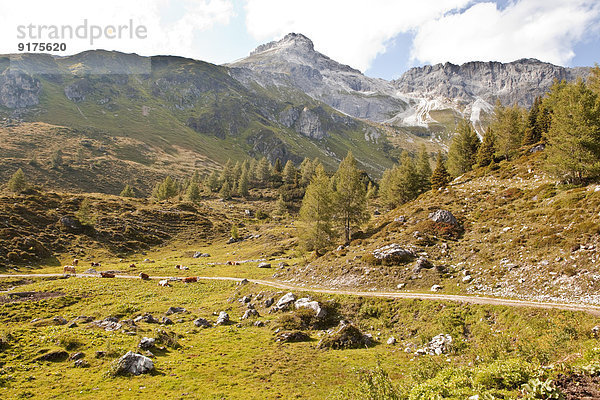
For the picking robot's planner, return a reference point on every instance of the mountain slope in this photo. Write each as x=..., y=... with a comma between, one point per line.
x=180, y=107
x=430, y=97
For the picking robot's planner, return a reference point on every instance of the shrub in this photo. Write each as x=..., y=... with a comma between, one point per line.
x=504, y=374
x=373, y=384
x=537, y=389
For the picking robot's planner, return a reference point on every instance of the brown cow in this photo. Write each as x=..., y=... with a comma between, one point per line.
x=144, y=276
x=69, y=269
x=190, y=279
x=107, y=275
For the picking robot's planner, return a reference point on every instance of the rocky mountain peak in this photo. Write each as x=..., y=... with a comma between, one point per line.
x=297, y=41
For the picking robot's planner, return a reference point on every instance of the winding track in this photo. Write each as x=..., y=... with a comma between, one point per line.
x=595, y=310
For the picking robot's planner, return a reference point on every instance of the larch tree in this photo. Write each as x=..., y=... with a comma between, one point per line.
x=440, y=177
x=350, y=196
x=573, y=152
x=423, y=170
x=316, y=213
x=17, y=182
x=485, y=154
x=463, y=149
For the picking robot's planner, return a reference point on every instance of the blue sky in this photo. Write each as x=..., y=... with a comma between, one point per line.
x=382, y=38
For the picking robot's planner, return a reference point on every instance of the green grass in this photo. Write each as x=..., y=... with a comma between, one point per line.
x=243, y=361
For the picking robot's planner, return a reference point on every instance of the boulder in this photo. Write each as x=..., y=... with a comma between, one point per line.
x=347, y=336
x=175, y=310
x=422, y=263
x=293, y=336
x=391, y=340
x=81, y=364
x=133, y=364
x=440, y=344
x=146, y=343
x=223, y=318
x=54, y=356
x=77, y=356
x=269, y=302
x=436, y=288
x=444, y=217
x=199, y=254
x=305, y=302
x=71, y=224
x=202, y=323
x=166, y=321
x=393, y=252
x=148, y=318
x=286, y=300
x=264, y=265
x=108, y=324
x=250, y=313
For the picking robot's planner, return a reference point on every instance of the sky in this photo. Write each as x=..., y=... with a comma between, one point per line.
x=382, y=38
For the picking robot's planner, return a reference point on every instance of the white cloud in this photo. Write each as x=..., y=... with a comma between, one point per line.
x=547, y=30
x=171, y=24
x=350, y=31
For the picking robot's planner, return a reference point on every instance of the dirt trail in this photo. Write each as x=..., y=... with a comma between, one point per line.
x=595, y=310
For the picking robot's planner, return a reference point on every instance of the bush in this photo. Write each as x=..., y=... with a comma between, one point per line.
x=537, y=389
x=504, y=374
x=373, y=384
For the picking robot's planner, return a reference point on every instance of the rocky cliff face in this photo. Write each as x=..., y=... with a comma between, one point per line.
x=469, y=90
x=293, y=62
x=18, y=90
x=517, y=82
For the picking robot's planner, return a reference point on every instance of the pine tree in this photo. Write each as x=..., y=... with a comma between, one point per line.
x=423, y=169
x=193, y=192
x=594, y=80
x=243, y=184
x=316, y=213
x=440, y=177
x=212, y=181
x=281, y=205
x=227, y=173
x=263, y=171
x=277, y=167
x=225, y=192
x=463, y=149
x=485, y=154
x=166, y=189
x=17, y=182
x=508, y=126
x=289, y=173
x=533, y=133
x=127, y=191
x=573, y=152
x=350, y=196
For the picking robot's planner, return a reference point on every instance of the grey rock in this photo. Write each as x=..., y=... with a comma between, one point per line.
x=305, y=302
x=223, y=318
x=134, y=364
x=269, y=302
x=422, y=263
x=293, y=336
x=443, y=216
x=77, y=356
x=202, y=323
x=166, y=321
x=391, y=340
x=146, y=343
x=250, y=313
x=285, y=300
x=393, y=252
x=175, y=310
x=81, y=364
x=264, y=265
x=440, y=344
x=436, y=288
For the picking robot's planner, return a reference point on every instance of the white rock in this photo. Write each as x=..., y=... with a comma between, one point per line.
x=286, y=300
x=305, y=302
x=391, y=340
x=134, y=364
x=436, y=288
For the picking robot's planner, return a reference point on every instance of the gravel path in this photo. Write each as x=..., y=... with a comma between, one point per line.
x=391, y=295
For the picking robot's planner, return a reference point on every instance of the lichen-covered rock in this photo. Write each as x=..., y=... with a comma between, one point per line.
x=444, y=217
x=133, y=364
x=394, y=253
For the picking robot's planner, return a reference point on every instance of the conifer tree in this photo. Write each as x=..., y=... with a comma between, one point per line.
x=127, y=191
x=508, y=126
x=227, y=174
x=289, y=173
x=263, y=171
x=281, y=205
x=463, y=149
x=212, y=181
x=573, y=152
x=225, y=192
x=166, y=189
x=316, y=213
x=440, y=177
x=485, y=154
x=307, y=170
x=17, y=182
x=243, y=184
x=594, y=79
x=193, y=192
x=350, y=196
x=423, y=170
x=277, y=167
x=533, y=133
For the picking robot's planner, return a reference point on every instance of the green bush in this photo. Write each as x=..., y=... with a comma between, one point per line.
x=546, y=390
x=449, y=383
x=372, y=384
x=504, y=374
